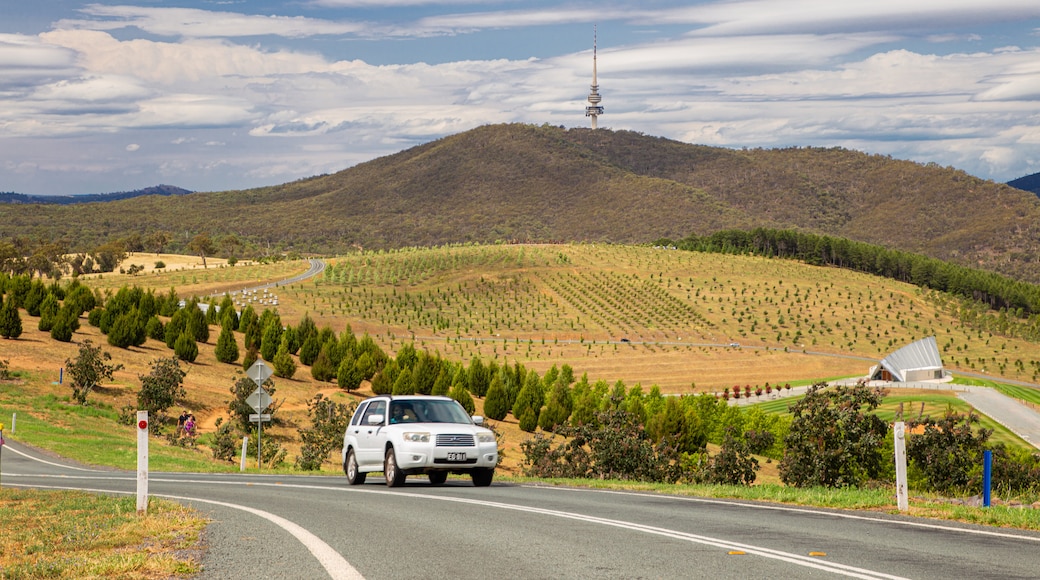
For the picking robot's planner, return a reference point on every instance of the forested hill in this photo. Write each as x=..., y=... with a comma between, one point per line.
x=11, y=197
x=1030, y=183
x=530, y=183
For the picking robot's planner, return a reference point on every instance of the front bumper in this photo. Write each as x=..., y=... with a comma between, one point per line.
x=413, y=458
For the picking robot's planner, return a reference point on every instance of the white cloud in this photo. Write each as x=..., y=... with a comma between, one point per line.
x=133, y=147
x=193, y=23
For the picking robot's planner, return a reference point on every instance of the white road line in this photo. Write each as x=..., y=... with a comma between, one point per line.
x=844, y=515
x=798, y=559
x=26, y=455
x=335, y=564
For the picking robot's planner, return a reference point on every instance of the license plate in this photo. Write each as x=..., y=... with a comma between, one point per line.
x=456, y=457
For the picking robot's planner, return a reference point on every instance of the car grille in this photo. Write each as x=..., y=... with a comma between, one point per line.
x=459, y=440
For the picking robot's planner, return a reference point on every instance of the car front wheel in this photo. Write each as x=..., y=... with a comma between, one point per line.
x=482, y=477
x=438, y=477
x=350, y=467
x=394, y=476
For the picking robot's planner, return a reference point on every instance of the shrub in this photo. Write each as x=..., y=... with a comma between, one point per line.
x=224, y=442
x=328, y=422
x=88, y=369
x=732, y=465
x=834, y=440
x=616, y=446
x=161, y=388
x=947, y=450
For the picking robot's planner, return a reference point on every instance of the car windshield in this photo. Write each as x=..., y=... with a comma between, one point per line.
x=432, y=411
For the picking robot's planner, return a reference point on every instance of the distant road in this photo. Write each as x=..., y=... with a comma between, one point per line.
x=278, y=526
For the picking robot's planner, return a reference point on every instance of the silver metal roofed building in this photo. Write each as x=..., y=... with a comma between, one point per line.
x=594, y=110
x=917, y=361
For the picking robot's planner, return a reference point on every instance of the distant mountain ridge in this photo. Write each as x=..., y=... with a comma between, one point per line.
x=1029, y=183
x=526, y=183
x=90, y=197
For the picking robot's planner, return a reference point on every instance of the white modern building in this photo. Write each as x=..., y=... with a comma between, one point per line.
x=915, y=362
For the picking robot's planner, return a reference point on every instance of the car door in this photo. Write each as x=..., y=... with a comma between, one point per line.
x=370, y=437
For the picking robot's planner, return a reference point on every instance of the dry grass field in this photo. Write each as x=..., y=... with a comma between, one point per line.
x=636, y=314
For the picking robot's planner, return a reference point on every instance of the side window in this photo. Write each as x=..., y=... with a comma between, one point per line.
x=358, y=414
x=375, y=408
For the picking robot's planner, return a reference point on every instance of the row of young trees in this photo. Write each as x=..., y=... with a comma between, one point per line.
x=832, y=439
x=997, y=291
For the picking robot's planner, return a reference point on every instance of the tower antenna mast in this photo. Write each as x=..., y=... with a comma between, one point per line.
x=594, y=110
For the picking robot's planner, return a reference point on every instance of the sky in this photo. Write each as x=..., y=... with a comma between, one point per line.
x=211, y=95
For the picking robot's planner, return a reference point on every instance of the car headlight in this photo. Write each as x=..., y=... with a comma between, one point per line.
x=416, y=437
x=486, y=437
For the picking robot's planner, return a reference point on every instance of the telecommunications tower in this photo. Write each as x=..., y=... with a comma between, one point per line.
x=594, y=110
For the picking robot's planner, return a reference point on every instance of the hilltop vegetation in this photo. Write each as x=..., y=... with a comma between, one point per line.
x=547, y=184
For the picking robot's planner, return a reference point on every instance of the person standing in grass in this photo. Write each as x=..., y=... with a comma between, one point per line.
x=189, y=426
x=181, y=420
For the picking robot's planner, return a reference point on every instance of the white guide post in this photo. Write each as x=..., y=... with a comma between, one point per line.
x=899, y=433
x=142, y=462
x=245, y=447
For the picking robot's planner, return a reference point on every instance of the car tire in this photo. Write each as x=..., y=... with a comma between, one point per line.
x=394, y=475
x=438, y=477
x=350, y=467
x=482, y=477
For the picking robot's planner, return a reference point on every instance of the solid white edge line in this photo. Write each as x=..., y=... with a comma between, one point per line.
x=836, y=514
x=27, y=456
x=336, y=565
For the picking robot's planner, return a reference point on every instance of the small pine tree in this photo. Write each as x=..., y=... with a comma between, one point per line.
x=227, y=347
x=309, y=349
x=185, y=347
x=461, y=394
x=252, y=355
x=404, y=385
x=322, y=369
x=348, y=376
x=48, y=310
x=443, y=383
x=528, y=421
x=155, y=329
x=10, y=321
x=284, y=365
x=65, y=323
x=496, y=405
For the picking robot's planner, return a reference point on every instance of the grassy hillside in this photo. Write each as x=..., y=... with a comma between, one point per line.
x=547, y=184
x=636, y=314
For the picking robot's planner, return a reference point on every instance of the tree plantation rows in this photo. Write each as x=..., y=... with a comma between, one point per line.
x=997, y=291
x=581, y=427
x=583, y=300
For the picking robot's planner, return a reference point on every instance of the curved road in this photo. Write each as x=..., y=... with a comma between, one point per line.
x=319, y=527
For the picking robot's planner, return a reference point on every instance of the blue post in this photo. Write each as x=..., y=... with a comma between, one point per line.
x=987, y=471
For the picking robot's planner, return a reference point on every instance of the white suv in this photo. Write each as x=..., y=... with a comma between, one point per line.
x=409, y=435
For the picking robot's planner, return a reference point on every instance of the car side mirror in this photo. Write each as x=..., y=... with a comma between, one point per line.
x=375, y=419
x=477, y=420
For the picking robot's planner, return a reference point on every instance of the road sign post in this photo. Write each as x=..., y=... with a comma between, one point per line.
x=259, y=401
x=142, y=463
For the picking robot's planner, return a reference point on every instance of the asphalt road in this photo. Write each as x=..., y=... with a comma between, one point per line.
x=319, y=527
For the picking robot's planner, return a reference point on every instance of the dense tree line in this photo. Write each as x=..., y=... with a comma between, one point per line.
x=999, y=292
